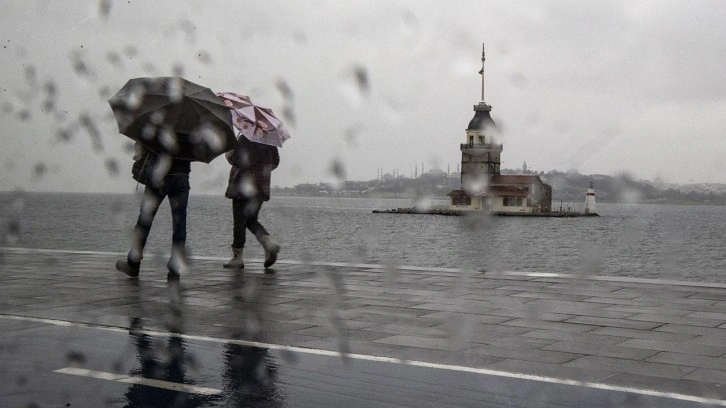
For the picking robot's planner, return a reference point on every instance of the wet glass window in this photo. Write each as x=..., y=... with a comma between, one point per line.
x=272, y=203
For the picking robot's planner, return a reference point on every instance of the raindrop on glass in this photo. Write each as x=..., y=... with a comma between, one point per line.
x=40, y=169
x=104, y=8
x=175, y=89
x=112, y=167
x=130, y=51
x=204, y=57
x=76, y=358
x=104, y=92
x=64, y=135
x=337, y=168
x=178, y=69
x=80, y=67
x=361, y=78
x=90, y=126
x=288, y=357
x=12, y=235
x=113, y=58
x=284, y=89
x=24, y=115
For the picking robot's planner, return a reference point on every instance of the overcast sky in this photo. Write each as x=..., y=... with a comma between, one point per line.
x=597, y=86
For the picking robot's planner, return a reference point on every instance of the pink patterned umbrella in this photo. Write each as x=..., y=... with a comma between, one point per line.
x=256, y=123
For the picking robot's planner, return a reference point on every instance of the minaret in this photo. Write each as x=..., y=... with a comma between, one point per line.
x=590, y=207
x=480, y=155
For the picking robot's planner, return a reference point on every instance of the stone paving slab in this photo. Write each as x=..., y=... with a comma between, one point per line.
x=658, y=335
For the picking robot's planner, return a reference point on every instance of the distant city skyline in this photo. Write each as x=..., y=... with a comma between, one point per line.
x=599, y=87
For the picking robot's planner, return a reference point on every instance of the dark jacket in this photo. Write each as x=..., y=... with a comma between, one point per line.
x=252, y=165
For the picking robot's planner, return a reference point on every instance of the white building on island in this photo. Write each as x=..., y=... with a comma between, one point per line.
x=483, y=188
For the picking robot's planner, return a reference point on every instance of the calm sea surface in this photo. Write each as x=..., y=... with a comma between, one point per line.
x=647, y=241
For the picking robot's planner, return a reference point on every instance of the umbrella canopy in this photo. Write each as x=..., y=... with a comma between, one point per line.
x=175, y=117
x=256, y=123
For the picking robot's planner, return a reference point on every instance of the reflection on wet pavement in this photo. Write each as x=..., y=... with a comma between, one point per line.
x=74, y=332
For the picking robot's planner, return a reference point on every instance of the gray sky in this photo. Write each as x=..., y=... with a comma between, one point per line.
x=601, y=87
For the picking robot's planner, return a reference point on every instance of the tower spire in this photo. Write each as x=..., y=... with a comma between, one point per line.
x=483, y=58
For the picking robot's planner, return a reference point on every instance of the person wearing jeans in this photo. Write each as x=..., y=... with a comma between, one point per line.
x=172, y=181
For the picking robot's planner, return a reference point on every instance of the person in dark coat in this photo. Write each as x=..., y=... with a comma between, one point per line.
x=169, y=178
x=249, y=186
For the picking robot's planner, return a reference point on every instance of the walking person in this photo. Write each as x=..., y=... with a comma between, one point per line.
x=249, y=186
x=253, y=160
x=173, y=122
x=164, y=177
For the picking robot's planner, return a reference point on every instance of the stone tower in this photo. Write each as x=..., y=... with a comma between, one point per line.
x=480, y=155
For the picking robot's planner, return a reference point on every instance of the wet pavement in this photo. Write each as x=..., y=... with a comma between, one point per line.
x=77, y=333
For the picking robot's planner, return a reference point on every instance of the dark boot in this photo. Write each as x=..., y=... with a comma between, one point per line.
x=129, y=268
x=177, y=264
x=271, y=250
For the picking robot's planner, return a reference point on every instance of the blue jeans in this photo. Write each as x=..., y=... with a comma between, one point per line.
x=244, y=214
x=176, y=187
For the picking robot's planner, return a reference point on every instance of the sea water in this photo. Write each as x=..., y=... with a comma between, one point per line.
x=635, y=240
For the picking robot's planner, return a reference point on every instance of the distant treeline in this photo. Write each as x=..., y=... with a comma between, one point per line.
x=567, y=186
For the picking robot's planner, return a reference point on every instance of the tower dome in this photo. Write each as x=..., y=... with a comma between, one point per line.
x=482, y=119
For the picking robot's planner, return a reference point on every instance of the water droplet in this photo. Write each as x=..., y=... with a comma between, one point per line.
x=168, y=139
x=30, y=74
x=129, y=147
x=361, y=77
x=90, y=126
x=64, y=135
x=22, y=381
x=208, y=138
x=104, y=8
x=247, y=187
x=284, y=89
x=40, y=169
x=289, y=115
x=351, y=134
x=148, y=68
x=135, y=97
x=12, y=235
x=288, y=357
x=24, y=115
x=112, y=167
x=178, y=69
x=76, y=358
x=80, y=66
x=130, y=51
x=204, y=57
x=337, y=168
x=114, y=59
x=48, y=105
x=105, y=92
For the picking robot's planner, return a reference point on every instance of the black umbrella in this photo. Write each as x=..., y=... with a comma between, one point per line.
x=175, y=117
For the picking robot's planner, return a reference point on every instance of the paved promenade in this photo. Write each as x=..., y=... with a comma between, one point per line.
x=649, y=337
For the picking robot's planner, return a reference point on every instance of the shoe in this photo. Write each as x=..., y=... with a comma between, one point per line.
x=177, y=264
x=271, y=250
x=132, y=270
x=172, y=276
x=236, y=261
x=176, y=269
